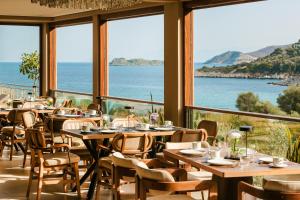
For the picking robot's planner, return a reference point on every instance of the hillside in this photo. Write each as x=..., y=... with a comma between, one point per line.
x=236, y=57
x=135, y=62
x=283, y=61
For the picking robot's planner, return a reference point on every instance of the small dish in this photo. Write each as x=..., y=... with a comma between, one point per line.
x=282, y=165
x=71, y=115
x=108, y=131
x=164, y=128
x=266, y=159
x=221, y=162
x=192, y=152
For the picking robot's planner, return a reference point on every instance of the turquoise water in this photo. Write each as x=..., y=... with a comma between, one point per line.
x=138, y=82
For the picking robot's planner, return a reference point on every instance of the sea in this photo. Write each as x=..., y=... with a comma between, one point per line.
x=139, y=82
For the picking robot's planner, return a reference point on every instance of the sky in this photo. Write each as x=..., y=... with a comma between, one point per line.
x=245, y=27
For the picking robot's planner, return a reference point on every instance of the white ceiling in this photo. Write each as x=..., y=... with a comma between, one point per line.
x=26, y=8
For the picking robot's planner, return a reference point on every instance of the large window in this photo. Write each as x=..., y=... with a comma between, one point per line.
x=136, y=58
x=74, y=58
x=246, y=48
x=14, y=42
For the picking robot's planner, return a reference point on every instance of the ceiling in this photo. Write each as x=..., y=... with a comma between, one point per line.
x=26, y=8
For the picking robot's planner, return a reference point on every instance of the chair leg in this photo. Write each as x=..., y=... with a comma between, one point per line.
x=25, y=154
x=65, y=178
x=2, y=145
x=11, y=150
x=99, y=184
x=30, y=182
x=40, y=182
x=76, y=171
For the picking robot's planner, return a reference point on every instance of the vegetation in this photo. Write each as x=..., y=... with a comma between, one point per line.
x=30, y=66
x=289, y=101
x=281, y=61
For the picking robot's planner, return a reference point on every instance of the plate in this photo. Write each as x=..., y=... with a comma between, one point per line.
x=266, y=159
x=108, y=131
x=282, y=165
x=163, y=129
x=221, y=162
x=71, y=115
x=8, y=109
x=192, y=152
x=82, y=131
x=142, y=129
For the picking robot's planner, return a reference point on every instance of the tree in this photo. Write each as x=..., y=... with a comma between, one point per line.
x=247, y=102
x=289, y=101
x=30, y=66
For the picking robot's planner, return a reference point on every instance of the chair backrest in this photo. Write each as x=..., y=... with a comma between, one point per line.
x=132, y=143
x=189, y=135
x=93, y=106
x=153, y=174
x=210, y=127
x=77, y=123
x=124, y=122
x=121, y=161
x=16, y=116
x=67, y=110
x=36, y=139
x=67, y=103
x=29, y=119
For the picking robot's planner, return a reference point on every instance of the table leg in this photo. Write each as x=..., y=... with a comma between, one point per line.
x=228, y=187
x=90, y=169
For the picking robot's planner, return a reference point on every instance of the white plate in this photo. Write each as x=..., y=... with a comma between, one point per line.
x=282, y=165
x=192, y=152
x=8, y=109
x=266, y=159
x=108, y=131
x=71, y=115
x=220, y=162
x=163, y=129
x=143, y=129
x=82, y=131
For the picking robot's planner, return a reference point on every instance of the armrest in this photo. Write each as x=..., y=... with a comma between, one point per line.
x=102, y=147
x=160, y=143
x=61, y=145
x=250, y=189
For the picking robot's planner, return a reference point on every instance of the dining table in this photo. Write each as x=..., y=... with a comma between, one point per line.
x=228, y=177
x=90, y=141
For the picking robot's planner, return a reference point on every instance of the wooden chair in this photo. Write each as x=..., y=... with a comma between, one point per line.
x=45, y=162
x=78, y=149
x=124, y=122
x=67, y=103
x=30, y=120
x=32, y=105
x=211, y=128
x=13, y=135
x=281, y=187
x=182, y=136
x=129, y=144
x=168, y=183
x=94, y=106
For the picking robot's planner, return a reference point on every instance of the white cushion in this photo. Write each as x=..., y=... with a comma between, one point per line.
x=60, y=158
x=199, y=175
x=282, y=183
x=171, y=197
x=9, y=130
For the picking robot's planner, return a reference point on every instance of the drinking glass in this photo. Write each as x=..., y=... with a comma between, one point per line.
x=245, y=161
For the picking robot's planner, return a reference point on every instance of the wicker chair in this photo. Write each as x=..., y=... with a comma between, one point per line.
x=13, y=135
x=166, y=183
x=45, y=162
x=211, y=128
x=281, y=187
x=131, y=145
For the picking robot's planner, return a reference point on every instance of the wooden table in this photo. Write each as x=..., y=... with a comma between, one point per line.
x=42, y=111
x=90, y=141
x=229, y=177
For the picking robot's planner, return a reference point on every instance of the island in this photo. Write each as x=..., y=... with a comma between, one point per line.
x=282, y=63
x=135, y=62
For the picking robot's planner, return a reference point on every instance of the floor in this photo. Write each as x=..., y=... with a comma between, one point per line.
x=14, y=180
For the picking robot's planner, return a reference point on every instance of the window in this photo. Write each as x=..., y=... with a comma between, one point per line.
x=74, y=58
x=14, y=42
x=136, y=58
x=246, y=48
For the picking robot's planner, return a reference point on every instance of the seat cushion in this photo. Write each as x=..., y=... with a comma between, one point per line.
x=171, y=197
x=60, y=158
x=282, y=183
x=106, y=162
x=199, y=175
x=7, y=130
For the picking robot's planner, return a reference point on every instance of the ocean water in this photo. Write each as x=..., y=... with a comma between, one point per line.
x=138, y=82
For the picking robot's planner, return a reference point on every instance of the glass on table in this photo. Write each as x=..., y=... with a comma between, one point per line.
x=245, y=160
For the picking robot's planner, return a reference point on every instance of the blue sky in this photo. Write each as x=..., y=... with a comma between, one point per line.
x=245, y=27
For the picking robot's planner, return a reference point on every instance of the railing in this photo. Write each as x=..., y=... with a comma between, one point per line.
x=15, y=91
x=272, y=134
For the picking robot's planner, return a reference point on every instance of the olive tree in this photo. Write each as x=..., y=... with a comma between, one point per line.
x=289, y=100
x=30, y=66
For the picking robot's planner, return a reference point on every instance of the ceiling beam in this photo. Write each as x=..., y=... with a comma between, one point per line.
x=198, y=4
x=5, y=19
